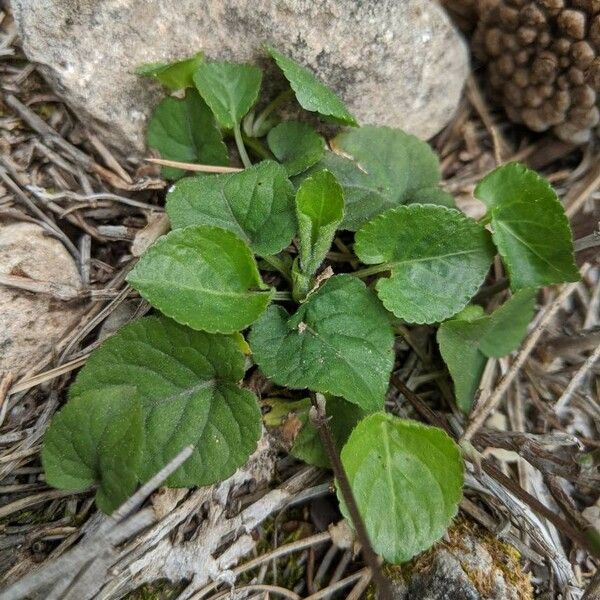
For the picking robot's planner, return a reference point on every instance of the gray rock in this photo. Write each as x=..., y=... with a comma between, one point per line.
x=399, y=63
x=31, y=324
x=444, y=580
x=463, y=569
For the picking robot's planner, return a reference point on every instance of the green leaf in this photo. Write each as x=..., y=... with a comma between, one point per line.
x=297, y=145
x=361, y=200
x=204, y=277
x=256, y=204
x=407, y=480
x=175, y=75
x=312, y=95
x=380, y=168
x=530, y=227
x=468, y=340
x=187, y=386
x=338, y=342
x=398, y=163
x=185, y=130
x=320, y=209
x=343, y=417
x=229, y=89
x=96, y=439
x=437, y=259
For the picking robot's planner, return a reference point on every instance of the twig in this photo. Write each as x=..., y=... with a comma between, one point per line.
x=29, y=382
x=360, y=587
x=344, y=583
x=60, y=291
x=576, y=381
x=153, y=483
x=319, y=418
x=111, y=532
x=566, y=528
x=577, y=198
x=192, y=166
x=587, y=242
x=260, y=587
x=313, y=540
x=5, y=385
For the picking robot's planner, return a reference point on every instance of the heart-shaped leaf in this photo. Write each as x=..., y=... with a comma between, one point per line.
x=96, y=439
x=338, y=342
x=175, y=75
x=469, y=339
x=185, y=130
x=407, y=481
x=257, y=204
x=380, y=168
x=229, y=89
x=320, y=209
x=530, y=227
x=187, y=385
x=204, y=277
x=296, y=145
x=437, y=259
x=311, y=94
x=343, y=417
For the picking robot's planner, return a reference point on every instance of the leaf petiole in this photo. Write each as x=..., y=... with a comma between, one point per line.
x=282, y=296
x=257, y=147
x=278, y=265
x=374, y=270
x=278, y=101
x=318, y=417
x=239, y=142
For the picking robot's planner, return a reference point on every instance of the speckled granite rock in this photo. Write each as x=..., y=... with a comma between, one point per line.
x=31, y=324
x=469, y=564
x=396, y=63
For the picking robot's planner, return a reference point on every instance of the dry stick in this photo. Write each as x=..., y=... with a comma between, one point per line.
x=192, y=166
x=564, y=526
x=320, y=421
x=580, y=195
x=360, y=587
x=5, y=385
x=342, y=584
x=576, y=381
x=313, y=540
x=52, y=138
x=260, y=587
x=113, y=531
x=501, y=146
x=489, y=404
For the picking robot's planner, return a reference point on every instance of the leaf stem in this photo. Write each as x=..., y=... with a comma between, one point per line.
x=487, y=218
x=282, y=296
x=237, y=134
x=374, y=270
x=321, y=422
x=256, y=146
x=279, y=266
x=280, y=99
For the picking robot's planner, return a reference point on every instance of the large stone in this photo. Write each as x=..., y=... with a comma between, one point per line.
x=395, y=62
x=31, y=323
x=468, y=564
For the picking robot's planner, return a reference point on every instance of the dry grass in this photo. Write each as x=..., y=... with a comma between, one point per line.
x=541, y=445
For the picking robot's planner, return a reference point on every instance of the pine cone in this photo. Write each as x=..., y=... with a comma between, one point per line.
x=543, y=61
